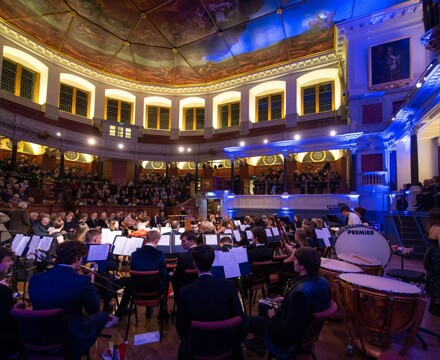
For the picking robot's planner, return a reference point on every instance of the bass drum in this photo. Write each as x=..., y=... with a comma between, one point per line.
x=363, y=240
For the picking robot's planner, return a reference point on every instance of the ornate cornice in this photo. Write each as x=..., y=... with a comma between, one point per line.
x=387, y=18
x=320, y=59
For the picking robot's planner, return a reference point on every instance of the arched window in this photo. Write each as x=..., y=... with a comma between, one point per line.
x=76, y=95
x=119, y=106
x=157, y=113
x=192, y=112
x=227, y=110
x=267, y=101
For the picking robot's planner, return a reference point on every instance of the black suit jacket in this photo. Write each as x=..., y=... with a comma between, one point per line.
x=208, y=299
x=154, y=221
x=260, y=253
x=184, y=262
x=148, y=258
x=8, y=329
x=62, y=287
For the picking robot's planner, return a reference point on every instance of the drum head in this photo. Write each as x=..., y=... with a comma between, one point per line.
x=339, y=266
x=363, y=240
x=380, y=284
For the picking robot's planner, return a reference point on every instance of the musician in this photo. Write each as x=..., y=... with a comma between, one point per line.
x=225, y=225
x=174, y=228
x=8, y=328
x=149, y=258
x=352, y=218
x=154, y=223
x=225, y=244
x=207, y=299
x=260, y=252
x=162, y=219
x=184, y=261
x=109, y=284
x=283, y=328
x=62, y=287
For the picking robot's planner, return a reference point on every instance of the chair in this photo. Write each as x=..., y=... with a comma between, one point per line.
x=147, y=290
x=305, y=349
x=215, y=340
x=263, y=274
x=45, y=334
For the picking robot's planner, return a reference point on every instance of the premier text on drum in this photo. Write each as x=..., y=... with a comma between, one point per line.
x=360, y=232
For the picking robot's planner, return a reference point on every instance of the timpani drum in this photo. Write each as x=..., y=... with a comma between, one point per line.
x=363, y=241
x=370, y=265
x=380, y=307
x=331, y=268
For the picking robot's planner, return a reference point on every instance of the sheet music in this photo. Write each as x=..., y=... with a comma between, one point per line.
x=275, y=231
x=16, y=241
x=327, y=237
x=240, y=254
x=237, y=235
x=249, y=235
x=242, y=227
x=181, y=230
x=176, y=239
x=320, y=234
x=211, y=239
x=164, y=240
x=230, y=265
x=22, y=245
x=45, y=243
x=132, y=245
x=227, y=231
x=218, y=260
x=268, y=233
x=33, y=246
x=164, y=229
x=237, y=222
x=98, y=252
x=119, y=245
x=108, y=235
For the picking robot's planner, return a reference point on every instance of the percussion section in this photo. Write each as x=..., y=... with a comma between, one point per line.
x=331, y=268
x=363, y=241
x=370, y=265
x=376, y=308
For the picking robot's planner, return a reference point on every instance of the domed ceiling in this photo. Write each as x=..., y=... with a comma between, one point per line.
x=183, y=42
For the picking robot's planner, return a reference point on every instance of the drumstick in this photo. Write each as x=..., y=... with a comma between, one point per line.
x=360, y=258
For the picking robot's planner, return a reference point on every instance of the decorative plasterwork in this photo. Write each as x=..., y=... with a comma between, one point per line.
x=321, y=59
x=395, y=15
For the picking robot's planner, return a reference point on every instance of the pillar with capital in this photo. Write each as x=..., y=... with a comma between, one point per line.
x=353, y=167
x=14, y=144
x=232, y=174
x=392, y=147
x=414, y=158
x=196, y=180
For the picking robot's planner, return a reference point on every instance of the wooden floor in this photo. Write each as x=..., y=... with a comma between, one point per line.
x=331, y=344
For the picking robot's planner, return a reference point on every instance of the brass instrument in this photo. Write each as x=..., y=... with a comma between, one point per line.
x=91, y=268
x=9, y=277
x=273, y=303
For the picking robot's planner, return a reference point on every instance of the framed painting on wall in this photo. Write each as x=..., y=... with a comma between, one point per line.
x=390, y=64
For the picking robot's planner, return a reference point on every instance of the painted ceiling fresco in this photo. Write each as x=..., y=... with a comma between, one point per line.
x=182, y=42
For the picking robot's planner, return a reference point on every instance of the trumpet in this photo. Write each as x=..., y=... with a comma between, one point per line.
x=16, y=295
